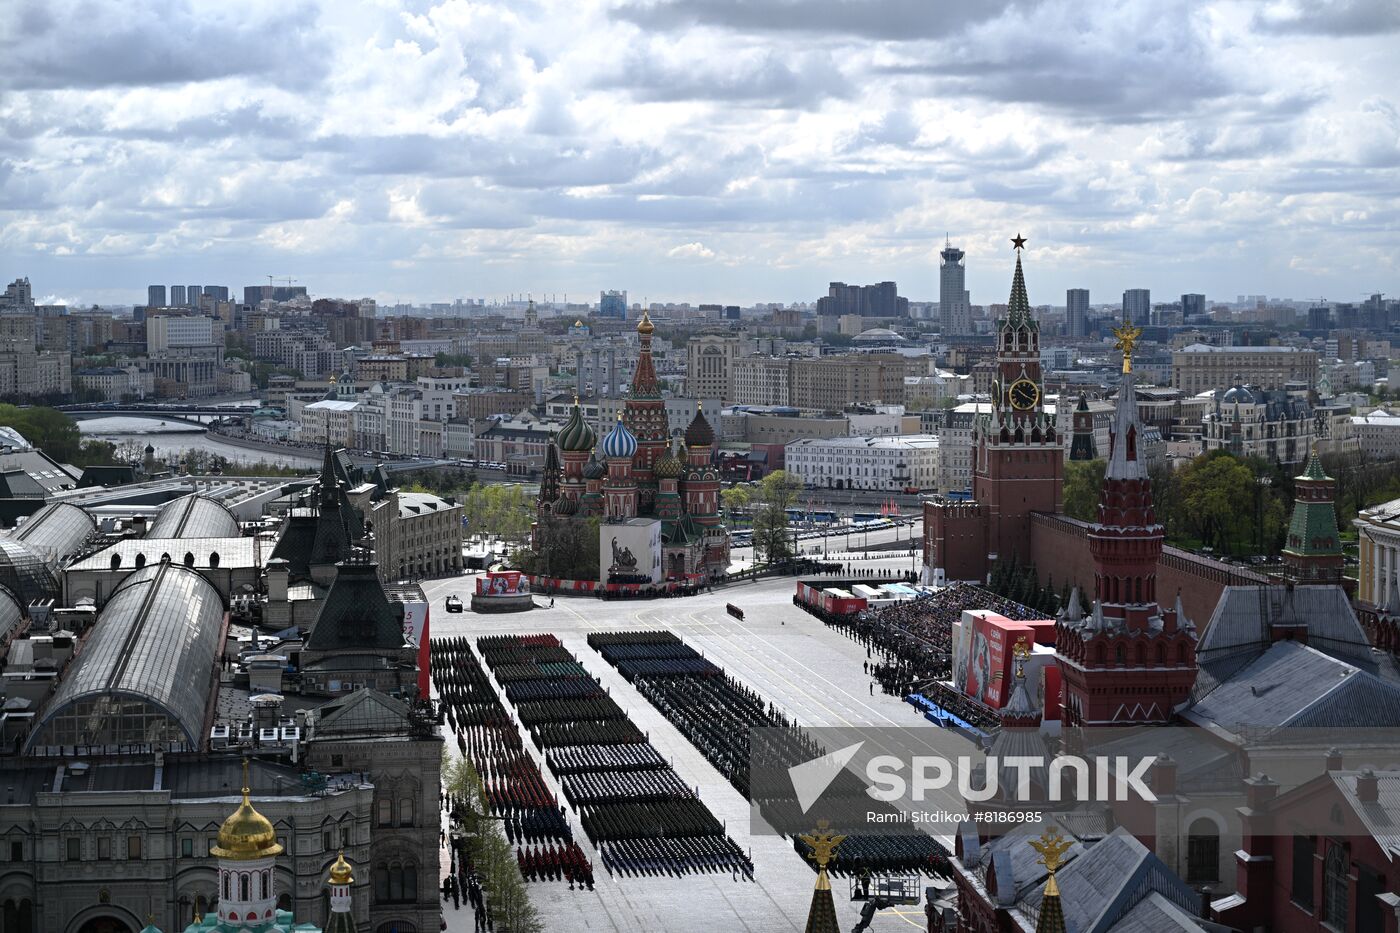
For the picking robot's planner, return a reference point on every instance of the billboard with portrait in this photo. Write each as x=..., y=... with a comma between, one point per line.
x=502, y=583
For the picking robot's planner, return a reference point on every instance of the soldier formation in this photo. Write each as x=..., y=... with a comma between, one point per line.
x=639, y=814
x=717, y=714
x=513, y=788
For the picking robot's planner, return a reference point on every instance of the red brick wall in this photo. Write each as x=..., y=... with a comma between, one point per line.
x=1060, y=549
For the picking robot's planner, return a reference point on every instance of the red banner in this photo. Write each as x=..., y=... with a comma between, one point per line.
x=502, y=583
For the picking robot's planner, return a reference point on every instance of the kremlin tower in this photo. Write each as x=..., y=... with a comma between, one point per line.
x=1017, y=460
x=1129, y=661
x=1313, y=551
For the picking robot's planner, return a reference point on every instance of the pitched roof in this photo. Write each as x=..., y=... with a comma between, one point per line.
x=1111, y=878
x=356, y=615
x=1380, y=816
x=364, y=710
x=1245, y=615
x=1292, y=684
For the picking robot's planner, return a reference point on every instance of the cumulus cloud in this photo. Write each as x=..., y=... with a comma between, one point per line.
x=1331, y=17
x=415, y=151
x=85, y=44
x=691, y=251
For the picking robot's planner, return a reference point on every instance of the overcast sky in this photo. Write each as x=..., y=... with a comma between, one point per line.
x=702, y=150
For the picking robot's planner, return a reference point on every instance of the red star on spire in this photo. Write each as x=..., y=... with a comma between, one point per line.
x=1018, y=242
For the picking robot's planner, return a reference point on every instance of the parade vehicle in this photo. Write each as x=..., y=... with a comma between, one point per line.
x=454, y=604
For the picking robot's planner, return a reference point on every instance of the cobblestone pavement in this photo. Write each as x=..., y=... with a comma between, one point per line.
x=812, y=672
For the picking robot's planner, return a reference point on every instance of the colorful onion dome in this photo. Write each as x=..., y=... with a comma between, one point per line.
x=576, y=435
x=565, y=508
x=619, y=444
x=594, y=469
x=669, y=466
x=699, y=434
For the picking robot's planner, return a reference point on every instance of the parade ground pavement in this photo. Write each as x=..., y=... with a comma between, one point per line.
x=813, y=673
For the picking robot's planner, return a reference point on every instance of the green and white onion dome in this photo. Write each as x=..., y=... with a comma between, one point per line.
x=576, y=435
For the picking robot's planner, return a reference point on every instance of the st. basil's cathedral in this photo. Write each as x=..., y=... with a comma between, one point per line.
x=639, y=472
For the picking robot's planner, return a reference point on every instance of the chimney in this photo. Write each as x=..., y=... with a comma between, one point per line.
x=1366, y=786
x=1260, y=792
x=1164, y=776
x=1334, y=759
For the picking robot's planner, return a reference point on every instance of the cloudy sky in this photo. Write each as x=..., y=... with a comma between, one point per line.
x=703, y=150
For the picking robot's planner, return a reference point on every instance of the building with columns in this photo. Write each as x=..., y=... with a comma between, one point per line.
x=1379, y=530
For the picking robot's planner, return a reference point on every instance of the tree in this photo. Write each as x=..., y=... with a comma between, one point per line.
x=568, y=549
x=453, y=359
x=776, y=495
x=498, y=510
x=492, y=855
x=55, y=434
x=736, y=499
x=1217, y=499
x=1083, y=486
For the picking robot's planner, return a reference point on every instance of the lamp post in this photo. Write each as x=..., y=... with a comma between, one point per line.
x=1261, y=483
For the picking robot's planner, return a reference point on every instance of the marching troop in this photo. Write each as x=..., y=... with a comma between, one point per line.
x=639, y=814
x=515, y=792
x=716, y=714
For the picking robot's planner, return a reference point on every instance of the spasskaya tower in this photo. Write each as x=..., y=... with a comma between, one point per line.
x=1017, y=459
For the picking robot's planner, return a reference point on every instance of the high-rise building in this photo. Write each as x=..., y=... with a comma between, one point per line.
x=217, y=292
x=1137, y=306
x=613, y=304
x=954, y=308
x=879, y=300
x=192, y=293
x=1077, y=312
x=177, y=296
x=1193, y=308
x=18, y=297
x=155, y=296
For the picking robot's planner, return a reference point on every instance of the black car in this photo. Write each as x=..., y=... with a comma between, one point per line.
x=454, y=604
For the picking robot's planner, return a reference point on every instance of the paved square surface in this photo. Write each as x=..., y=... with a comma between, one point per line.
x=811, y=672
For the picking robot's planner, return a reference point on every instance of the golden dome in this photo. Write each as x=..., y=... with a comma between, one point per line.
x=247, y=834
x=645, y=326
x=340, y=871
x=333, y=379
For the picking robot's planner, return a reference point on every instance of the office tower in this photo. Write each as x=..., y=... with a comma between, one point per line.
x=217, y=292
x=1319, y=317
x=954, y=309
x=1137, y=306
x=177, y=296
x=612, y=304
x=192, y=293
x=1077, y=312
x=155, y=296
x=879, y=300
x=1193, y=308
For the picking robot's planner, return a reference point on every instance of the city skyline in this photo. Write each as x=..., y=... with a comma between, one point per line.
x=729, y=152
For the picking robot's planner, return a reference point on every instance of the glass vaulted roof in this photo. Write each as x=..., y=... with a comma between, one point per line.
x=193, y=516
x=143, y=677
x=11, y=613
x=25, y=573
x=56, y=531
